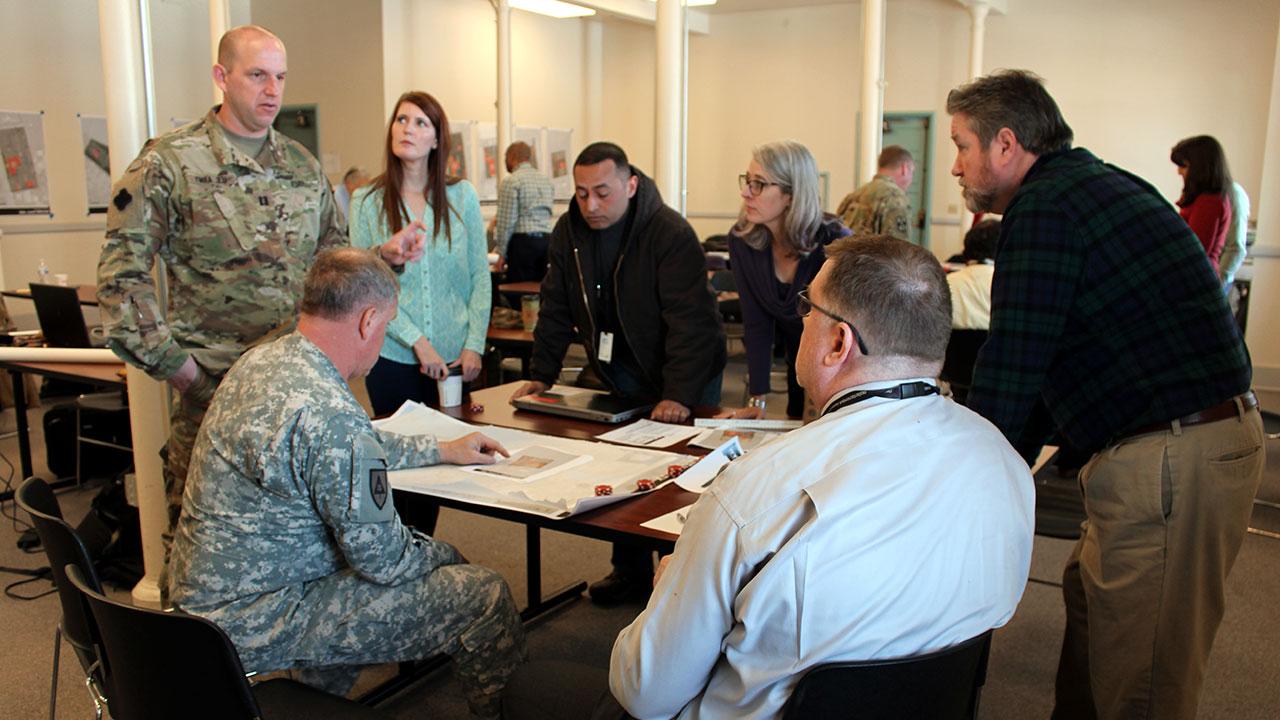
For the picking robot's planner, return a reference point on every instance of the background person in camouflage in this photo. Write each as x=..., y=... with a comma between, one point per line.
x=289, y=538
x=237, y=212
x=881, y=207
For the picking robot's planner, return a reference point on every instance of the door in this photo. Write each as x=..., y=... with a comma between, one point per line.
x=299, y=123
x=911, y=131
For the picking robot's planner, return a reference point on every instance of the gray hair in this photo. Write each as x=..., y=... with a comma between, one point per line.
x=1015, y=99
x=792, y=166
x=346, y=280
x=895, y=292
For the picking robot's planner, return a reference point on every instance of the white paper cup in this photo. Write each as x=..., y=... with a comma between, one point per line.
x=450, y=390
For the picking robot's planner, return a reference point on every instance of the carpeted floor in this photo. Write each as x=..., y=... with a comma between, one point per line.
x=1240, y=684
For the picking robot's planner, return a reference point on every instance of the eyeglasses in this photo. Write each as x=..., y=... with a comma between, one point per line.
x=756, y=186
x=804, y=306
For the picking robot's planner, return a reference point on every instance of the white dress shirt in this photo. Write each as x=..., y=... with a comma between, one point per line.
x=884, y=529
x=971, y=296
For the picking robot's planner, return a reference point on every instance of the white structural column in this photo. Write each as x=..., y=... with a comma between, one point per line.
x=668, y=124
x=872, y=88
x=219, y=23
x=594, y=90
x=978, y=10
x=120, y=33
x=977, y=35
x=503, y=8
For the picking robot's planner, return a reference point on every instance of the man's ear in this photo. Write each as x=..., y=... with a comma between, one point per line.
x=220, y=76
x=633, y=182
x=841, y=346
x=1005, y=143
x=368, y=320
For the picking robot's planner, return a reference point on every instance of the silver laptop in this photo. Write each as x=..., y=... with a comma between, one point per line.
x=584, y=404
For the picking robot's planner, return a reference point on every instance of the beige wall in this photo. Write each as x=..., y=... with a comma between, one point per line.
x=335, y=63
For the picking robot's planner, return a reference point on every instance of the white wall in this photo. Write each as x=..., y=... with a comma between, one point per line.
x=56, y=66
x=449, y=48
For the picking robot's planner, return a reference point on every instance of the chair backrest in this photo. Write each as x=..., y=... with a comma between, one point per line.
x=166, y=664
x=63, y=547
x=943, y=685
x=962, y=354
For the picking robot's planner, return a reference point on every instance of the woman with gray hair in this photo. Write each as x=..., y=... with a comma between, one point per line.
x=775, y=249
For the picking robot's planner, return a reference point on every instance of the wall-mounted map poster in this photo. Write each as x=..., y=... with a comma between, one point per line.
x=97, y=162
x=25, y=188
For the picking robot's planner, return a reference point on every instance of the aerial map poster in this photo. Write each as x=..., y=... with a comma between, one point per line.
x=558, y=147
x=97, y=163
x=25, y=189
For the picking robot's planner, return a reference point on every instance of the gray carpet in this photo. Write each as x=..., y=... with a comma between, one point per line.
x=1240, y=684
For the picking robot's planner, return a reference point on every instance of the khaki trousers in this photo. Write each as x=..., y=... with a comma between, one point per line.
x=1166, y=515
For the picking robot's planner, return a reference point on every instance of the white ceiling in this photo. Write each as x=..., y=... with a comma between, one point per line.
x=732, y=6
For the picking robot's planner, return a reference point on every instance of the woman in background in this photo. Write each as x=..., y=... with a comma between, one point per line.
x=1206, y=187
x=775, y=250
x=444, y=294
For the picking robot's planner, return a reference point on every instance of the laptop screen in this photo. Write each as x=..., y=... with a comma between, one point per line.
x=60, y=316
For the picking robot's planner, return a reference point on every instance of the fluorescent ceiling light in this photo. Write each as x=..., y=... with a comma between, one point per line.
x=694, y=3
x=552, y=8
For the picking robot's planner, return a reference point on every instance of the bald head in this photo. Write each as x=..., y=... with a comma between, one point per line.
x=235, y=40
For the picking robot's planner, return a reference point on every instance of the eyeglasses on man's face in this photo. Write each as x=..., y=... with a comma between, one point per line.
x=804, y=306
x=755, y=186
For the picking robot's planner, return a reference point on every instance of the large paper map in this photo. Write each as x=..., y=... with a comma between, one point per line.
x=569, y=487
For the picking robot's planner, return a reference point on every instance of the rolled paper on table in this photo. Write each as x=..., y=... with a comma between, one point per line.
x=71, y=355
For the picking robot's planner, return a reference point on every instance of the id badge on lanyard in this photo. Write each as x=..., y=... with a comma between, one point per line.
x=605, y=349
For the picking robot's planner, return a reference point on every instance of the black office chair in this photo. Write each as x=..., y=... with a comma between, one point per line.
x=942, y=685
x=63, y=547
x=163, y=665
x=962, y=353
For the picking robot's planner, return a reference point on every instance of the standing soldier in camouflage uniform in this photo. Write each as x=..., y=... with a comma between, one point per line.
x=237, y=211
x=881, y=207
x=289, y=538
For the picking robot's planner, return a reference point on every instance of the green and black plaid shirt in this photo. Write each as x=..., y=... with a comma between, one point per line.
x=1106, y=314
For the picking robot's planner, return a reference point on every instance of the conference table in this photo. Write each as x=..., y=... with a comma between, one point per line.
x=618, y=522
x=107, y=375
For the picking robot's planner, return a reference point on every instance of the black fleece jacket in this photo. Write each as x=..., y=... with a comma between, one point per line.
x=665, y=307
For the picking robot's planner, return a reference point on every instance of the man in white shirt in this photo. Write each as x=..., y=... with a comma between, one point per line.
x=897, y=523
x=971, y=284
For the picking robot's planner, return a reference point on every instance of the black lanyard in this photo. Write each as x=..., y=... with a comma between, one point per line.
x=897, y=392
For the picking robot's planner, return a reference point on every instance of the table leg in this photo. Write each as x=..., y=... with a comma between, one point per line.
x=537, y=605
x=533, y=564
x=20, y=410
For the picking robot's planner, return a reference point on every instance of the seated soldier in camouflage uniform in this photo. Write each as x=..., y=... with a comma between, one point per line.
x=288, y=537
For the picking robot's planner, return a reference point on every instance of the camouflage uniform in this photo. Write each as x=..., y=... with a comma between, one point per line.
x=290, y=541
x=878, y=208
x=237, y=235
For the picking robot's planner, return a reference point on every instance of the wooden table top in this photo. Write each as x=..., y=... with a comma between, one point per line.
x=86, y=294
x=106, y=373
x=624, y=516
x=528, y=287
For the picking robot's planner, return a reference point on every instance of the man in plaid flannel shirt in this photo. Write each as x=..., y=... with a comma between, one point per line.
x=1109, y=326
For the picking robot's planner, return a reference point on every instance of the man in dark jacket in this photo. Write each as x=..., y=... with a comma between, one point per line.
x=627, y=279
